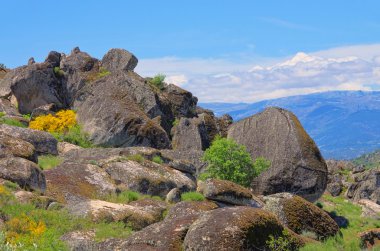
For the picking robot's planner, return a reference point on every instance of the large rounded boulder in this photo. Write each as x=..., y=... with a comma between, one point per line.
x=296, y=162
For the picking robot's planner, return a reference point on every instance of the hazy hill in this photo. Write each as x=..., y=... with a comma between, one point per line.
x=344, y=124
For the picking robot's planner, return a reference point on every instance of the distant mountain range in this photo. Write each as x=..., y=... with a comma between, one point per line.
x=344, y=124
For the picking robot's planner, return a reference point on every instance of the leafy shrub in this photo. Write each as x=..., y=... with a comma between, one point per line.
x=27, y=116
x=176, y=122
x=192, y=196
x=23, y=227
x=58, y=72
x=136, y=157
x=157, y=159
x=228, y=160
x=281, y=243
x=46, y=162
x=158, y=81
x=60, y=122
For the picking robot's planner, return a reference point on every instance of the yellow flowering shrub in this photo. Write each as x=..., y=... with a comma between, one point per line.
x=23, y=226
x=60, y=122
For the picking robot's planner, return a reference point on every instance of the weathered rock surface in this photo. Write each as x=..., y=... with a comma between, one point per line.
x=43, y=142
x=81, y=240
x=23, y=172
x=148, y=177
x=370, y=238
x=71, y=182
x=228, y=192
x=11, y=146
x=233, y=228
x=167, y=235
x=190, y=134
x=100, y=210
x=64, y=147
x=114, y=118
x=296, y=163
x=119, y=60
x=7, y=107
x=366, y=185
x=173, y=196
x=190, y=208
x=153, y=206
x=369, y=208
x=193, y=157
x=300, y=215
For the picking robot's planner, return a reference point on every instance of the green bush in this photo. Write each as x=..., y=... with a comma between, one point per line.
x=58, y=72
x=158, y=81
x=228, y=160
x=192, y=196
x=75, y=136
x=46, y=162
x=157, y=159
x=176, y=122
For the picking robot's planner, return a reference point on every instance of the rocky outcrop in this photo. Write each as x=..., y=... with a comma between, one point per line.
x=225, y=191
x=190, y=134
x=73, y=182
x=43, y=142
x=300, y=215
x=369, y=208
x=296, y=163
x=366, y=185
x=23, y=172
x=233, y=228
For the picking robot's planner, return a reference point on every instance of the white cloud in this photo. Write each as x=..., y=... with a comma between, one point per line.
x=211, y=80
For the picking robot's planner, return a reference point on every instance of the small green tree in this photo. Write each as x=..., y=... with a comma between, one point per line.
x=158, y=81
x=228, y=160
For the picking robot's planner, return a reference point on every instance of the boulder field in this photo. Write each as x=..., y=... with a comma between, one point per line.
x=133, y=122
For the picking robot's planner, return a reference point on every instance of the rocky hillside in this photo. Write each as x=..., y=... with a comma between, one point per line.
x=344, y=124
x=131, y=180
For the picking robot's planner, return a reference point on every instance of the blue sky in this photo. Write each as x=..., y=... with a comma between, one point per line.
x=194, y=41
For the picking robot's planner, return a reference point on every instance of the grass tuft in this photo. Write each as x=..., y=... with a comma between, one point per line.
x=47, y=162
x=192, y=196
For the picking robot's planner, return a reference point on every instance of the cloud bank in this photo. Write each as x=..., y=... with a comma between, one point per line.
x=219, y=80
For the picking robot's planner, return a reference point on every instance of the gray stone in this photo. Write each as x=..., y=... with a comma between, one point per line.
x=173, y=196
x=296, y=163
x=119, y=59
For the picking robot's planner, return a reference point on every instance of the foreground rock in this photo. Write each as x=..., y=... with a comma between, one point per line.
x=11, y=146
x=23, y=172
x=228, y=192
x=43, y=142
x=165, y=235
x=296, y=163
x=300, y=215
x=234, y=228
x=369, y=208
x=370, y=238
x=190, y=208
x=72, y=182
x=81, y=240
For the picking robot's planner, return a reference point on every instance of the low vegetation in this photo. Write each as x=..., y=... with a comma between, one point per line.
x=63, y=126
x=192, y=196
x=31, y=228
x=58, y=72
x=10, y=121
x=136, y=157
x=348, y=239
x=158, y=81
x=285, y=242
x=228, y=160
x=157, y=159
x=98, y=75
x=46, y=162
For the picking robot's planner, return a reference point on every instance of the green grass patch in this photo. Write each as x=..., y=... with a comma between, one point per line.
x=46, y=162
x=58, y=72
x=123, y=197
x=348, y=239
x=12, y=122
x=136, y=157
x=157, y=159
x=76, y=136
x=157, y=81
x=192, y=196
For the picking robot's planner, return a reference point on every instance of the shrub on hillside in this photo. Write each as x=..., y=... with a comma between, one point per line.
x=228, y=160
x=158, y=81
x=60, y=122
